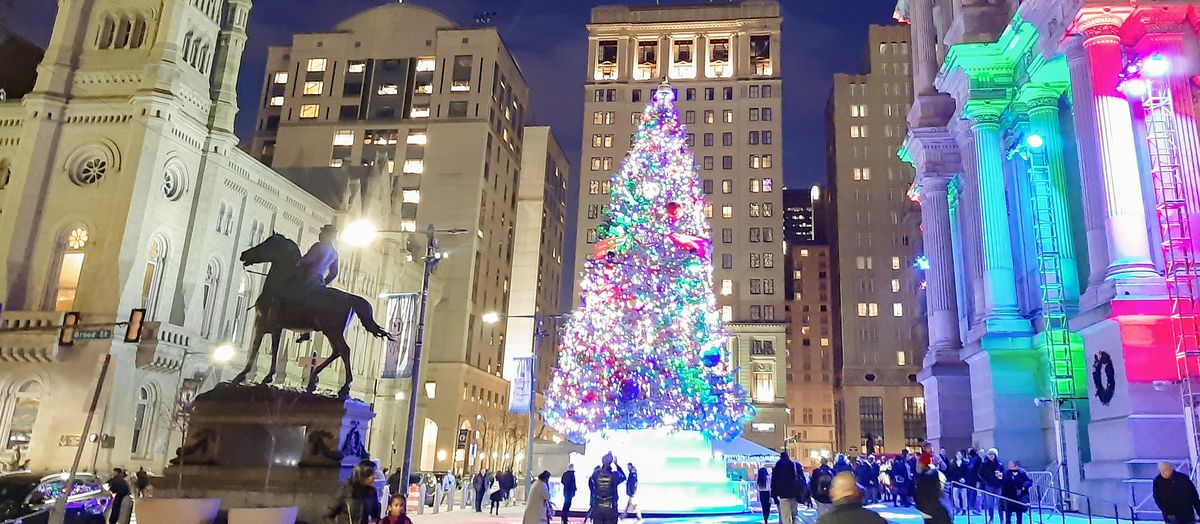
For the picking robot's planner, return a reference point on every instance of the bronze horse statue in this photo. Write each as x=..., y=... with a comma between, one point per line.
x=285, y=303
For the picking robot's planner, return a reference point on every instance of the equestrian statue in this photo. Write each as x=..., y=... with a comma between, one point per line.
x=296, y=296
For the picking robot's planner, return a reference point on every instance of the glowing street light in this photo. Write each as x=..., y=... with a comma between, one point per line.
x=223, y=353
x=1156, y=66
x=1034, y=141
x=491, y=317
x=360, y=233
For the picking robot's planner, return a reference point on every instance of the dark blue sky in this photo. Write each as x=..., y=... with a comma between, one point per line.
x=548, y=37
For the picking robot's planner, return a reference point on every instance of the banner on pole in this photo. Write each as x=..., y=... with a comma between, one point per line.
x=520, y=390
x=402, y=324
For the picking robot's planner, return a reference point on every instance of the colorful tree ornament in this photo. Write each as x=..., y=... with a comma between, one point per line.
x=644, y=350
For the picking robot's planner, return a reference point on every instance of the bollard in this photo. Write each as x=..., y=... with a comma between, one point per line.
x=437, y=498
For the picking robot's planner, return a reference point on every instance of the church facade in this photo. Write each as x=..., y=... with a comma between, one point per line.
x=122, y=188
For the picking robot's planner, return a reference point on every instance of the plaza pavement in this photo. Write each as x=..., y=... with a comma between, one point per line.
x=512, y=515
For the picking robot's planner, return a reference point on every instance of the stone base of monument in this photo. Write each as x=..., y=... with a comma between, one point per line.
x=267, y=447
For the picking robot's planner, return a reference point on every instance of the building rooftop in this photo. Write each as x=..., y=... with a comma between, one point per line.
x=619, y=14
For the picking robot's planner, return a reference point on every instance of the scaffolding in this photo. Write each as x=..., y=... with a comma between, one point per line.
x=1176, y=242
x=1061, y=359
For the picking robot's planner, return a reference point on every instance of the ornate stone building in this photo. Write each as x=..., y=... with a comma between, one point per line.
x=122, y=187
x=1055, y=146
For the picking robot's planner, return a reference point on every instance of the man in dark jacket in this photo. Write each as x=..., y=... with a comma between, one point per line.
x=820, y=485
x=784, y=488
x=119, y=487
x=1175, y=495
x=929, y=489
x=604, y=484
x=847, y=504
x=902, y=477
x=840, y=465
x=569, y=489
x=480, y=484
x=867, y=478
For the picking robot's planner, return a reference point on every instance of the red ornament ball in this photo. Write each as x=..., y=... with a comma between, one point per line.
x=673, y=209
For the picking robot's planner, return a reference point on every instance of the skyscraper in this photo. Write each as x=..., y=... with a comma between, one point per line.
x=723, y=62
x=446, y=108
x=875, y=245
x=805, y=216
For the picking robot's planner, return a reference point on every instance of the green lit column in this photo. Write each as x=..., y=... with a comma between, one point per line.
x=1042, y=106
x=999, y=281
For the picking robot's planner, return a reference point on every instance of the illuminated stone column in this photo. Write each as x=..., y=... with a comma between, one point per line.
x=1125, y=223
x=1042, y=106
x=924, y=45
x=1091, y=173
x=999, y=280
x=944, y=376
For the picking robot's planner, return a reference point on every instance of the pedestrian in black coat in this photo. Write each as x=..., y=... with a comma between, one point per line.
x=119, y=488
x=991, y=475
x=1175, y=495
x=902, y=479
x=603, y=483
x=785, y=488
x=569, y=489
x=763, y=481
x=1014, y=487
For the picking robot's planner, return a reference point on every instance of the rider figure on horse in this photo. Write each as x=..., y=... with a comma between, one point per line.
x=319, y=267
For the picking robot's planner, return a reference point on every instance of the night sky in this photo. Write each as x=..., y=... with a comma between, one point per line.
x=548, y=38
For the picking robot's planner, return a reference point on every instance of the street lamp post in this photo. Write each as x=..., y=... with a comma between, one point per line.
x=431, y=259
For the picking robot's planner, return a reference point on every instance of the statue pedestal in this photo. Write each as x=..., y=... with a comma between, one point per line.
x=259, y=446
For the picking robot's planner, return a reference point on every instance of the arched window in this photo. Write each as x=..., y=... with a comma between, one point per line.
x=70, y=267
x=124, y=28
x=240, y=306
x=212, y=283
x=137, y=36
x=5, y=172
x=221, y=218
x=429, y=445
x=152, y=278
x=187, y=47
x=108, y=27
x=195, y=53
x=23, y=412
x=143, y=417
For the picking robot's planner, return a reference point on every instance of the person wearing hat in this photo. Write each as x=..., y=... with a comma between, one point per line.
x=847, y=503
x=319, y=266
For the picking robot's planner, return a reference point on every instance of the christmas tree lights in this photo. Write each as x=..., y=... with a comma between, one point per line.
x=646, y=347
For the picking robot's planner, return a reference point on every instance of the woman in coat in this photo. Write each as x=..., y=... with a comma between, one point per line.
x=1015, y=487
x=763, y=481
x=358, y=501
x=539, y=509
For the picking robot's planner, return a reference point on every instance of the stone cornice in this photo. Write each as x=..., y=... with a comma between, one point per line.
x=1099, y=21
x=935, y=155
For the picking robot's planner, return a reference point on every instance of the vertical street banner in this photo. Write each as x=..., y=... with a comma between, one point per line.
x=401, y=322
x=520, y=390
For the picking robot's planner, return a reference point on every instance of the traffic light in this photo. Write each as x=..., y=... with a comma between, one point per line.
x=133, y=329
x=66, y=334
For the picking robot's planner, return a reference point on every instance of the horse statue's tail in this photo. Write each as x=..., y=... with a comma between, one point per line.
x=366, y=315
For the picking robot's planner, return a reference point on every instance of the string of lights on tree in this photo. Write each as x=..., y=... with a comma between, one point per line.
x=645, y=348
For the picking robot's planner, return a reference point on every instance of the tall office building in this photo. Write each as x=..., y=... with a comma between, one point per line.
x=805, y=216
x=812, y=339
x=875, y=245
x=445, y=107
x=723, y=62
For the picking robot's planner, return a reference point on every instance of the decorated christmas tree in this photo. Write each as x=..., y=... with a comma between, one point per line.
x=645, y=349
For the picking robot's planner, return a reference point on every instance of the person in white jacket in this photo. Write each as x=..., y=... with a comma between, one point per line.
x=539, y=509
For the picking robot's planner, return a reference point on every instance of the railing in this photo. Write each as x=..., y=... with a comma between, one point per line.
x=1088, y=511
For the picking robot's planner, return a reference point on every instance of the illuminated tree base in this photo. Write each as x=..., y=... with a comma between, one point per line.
x=678, y=473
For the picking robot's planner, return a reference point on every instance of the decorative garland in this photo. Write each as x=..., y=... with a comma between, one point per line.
x=1106, y=384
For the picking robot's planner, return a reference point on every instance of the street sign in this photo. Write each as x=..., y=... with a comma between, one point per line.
x=93, y=334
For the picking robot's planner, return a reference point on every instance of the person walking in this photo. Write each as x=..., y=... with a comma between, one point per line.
x=141, y=481
x=803, y=492
x=358, y=501
x=847, y=504
x=820, y=486
x=538, y=509
x=763, y=481
x=394, y=484
x=1175, y=496
x=784, y=488
x=1015, y=489
x=867, y=479
x=631, y=487
x=121, y=509
x=449, y=484
x=972, y=479
x=477, y=484
x=929, y=487
x=507, y=482
x=956, y=473
x=902, y=478
x=569, y=489
x=604, y=483
x=991, y=479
